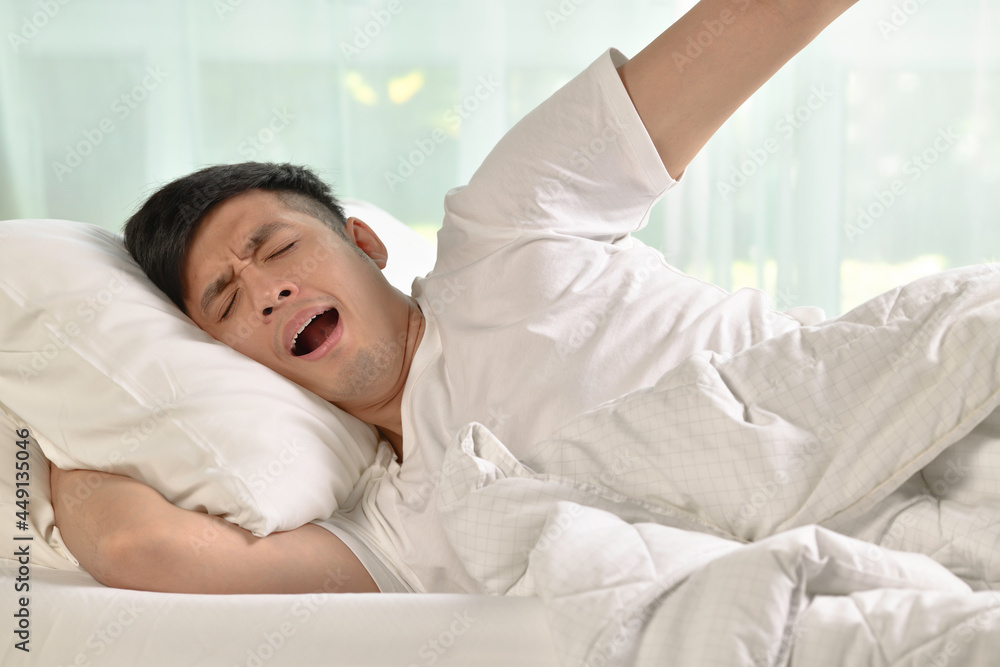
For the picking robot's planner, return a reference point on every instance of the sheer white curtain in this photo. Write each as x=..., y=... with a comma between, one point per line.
x=871, y=159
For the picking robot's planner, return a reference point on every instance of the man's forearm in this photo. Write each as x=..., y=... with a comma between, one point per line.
x=127, y=535
x=696, y=74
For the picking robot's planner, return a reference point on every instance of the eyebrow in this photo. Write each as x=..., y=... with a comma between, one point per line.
x=259, y=237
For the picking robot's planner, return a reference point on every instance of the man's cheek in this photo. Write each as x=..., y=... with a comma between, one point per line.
x=239, y=335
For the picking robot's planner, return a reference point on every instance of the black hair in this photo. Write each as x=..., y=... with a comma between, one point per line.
x=159, y=233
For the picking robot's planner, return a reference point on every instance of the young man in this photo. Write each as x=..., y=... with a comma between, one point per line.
x=533, y=254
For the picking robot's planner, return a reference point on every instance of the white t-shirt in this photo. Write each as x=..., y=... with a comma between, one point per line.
x=541, y=306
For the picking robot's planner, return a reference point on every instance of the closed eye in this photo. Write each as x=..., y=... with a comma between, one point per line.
x=232, y=301
x=229, y=308
x=282, y=251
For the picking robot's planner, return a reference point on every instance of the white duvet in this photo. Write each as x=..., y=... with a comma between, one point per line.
x=755, y=509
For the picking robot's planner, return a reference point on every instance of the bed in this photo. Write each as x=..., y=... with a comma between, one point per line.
x=76, y=621
x=605, y=565
x=73, y=620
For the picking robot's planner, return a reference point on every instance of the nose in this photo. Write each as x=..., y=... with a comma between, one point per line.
x=268, y=292
x=283, y=294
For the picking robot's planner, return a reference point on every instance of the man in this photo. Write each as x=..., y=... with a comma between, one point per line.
x=533, y=255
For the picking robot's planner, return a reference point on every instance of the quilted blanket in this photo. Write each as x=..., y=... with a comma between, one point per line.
x=830, y=496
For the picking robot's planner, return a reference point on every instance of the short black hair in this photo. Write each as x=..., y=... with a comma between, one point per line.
x=159, y=233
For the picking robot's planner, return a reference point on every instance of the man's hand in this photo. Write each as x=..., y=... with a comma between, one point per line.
x=127, y=535
x=694, y=76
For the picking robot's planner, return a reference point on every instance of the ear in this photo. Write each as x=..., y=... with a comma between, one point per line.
x=367, y=241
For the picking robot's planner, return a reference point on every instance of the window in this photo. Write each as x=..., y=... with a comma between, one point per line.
x=871, y=159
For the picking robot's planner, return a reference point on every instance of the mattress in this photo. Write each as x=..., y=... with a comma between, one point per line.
x=73, y=620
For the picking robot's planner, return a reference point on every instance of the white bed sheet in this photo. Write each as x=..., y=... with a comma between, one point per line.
x=77, y=621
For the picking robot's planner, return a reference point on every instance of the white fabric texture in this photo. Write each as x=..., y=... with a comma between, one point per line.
x=661, y=596
x=76, y=621
x=47, y=547
x=695, y=499
x=541, y=305
x=109, y=375
x=837, y=432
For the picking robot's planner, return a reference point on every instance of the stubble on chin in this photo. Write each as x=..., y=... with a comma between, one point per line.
x=374, y=366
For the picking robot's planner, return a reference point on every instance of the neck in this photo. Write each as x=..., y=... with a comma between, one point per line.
x=395, y=439
x=386, y=414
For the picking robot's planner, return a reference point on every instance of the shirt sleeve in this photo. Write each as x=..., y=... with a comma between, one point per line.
x=580, y=164
x=384, y=578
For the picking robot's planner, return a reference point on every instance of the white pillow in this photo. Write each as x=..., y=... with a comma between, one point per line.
x=25, y=464
x=111, y=376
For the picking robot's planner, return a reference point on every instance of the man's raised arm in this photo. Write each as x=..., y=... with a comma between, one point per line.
x=694, y=76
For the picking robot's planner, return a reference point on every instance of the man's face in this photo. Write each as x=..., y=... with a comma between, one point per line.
x=286, y=290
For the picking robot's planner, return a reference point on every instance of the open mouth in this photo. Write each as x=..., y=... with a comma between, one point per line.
x=315, y=332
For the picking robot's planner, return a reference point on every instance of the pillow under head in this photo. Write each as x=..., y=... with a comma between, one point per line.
x=112, y=376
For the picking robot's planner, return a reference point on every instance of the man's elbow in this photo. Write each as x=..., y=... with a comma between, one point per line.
x=128, y=559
